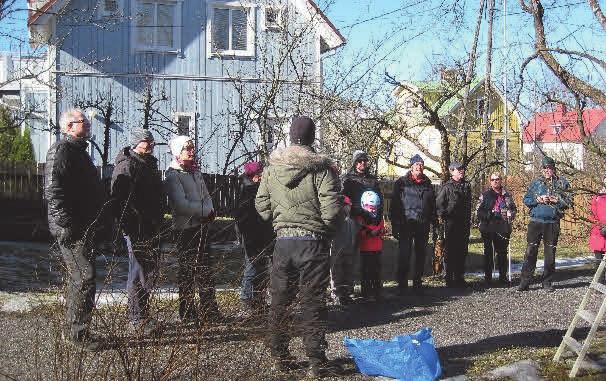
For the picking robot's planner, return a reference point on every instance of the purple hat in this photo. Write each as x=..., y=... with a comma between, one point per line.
x=252, y=168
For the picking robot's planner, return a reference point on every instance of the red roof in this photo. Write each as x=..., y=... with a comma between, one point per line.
x=561, y=125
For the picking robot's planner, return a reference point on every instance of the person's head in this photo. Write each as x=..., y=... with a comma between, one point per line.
x=183, y=149
x=457, y=171
x=417, y=165
x=74, y=123
x=347, y=205
x=496, y=181
x=360, y=161
x=142, y=141
x=370, y=202
x=253, y=170
x=302, y=131
x=549, y=167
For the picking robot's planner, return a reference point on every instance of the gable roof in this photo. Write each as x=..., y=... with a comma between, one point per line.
x=561, y=125
x=39, y=11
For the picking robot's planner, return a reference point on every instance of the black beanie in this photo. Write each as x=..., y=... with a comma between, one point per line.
x=302, y=131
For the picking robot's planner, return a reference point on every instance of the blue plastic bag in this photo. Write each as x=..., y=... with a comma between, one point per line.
x=408, y=357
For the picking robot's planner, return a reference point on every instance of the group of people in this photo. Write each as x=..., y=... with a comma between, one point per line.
x=301, y=226
x=81, y=216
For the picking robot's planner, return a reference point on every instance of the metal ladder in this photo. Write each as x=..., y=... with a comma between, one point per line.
x=580, y=348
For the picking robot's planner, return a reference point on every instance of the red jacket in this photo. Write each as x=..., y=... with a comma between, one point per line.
x=367, y=241
x=597, y=242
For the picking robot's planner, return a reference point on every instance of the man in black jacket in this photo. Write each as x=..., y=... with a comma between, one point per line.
x=75, y=199
x=453, y=206
x=138, y=200
x=412, y=211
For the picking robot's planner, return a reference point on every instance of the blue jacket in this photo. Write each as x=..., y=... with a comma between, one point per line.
x=548, y=213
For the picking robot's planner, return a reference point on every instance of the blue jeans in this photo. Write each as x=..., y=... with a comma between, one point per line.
x=246, y=289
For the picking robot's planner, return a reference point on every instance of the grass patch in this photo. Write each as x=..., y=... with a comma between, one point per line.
x=568, y=247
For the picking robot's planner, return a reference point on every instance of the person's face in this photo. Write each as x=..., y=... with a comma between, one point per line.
x=496, y=182
x=548, y=172
x=79, y=126
x=187, y=153
x=417, y=168
x=361, y=165
x=256, y=178
x=370, y=208
x=457, y=174
x=145, y=147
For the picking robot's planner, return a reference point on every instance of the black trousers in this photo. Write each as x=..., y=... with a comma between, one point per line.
x=299, y=266
x=259, y=255
x=417, y=234
x=456, y=243
x=195, y=273
x=495, y=243
x=79, y=259
x=370, y=273
x=549, y=233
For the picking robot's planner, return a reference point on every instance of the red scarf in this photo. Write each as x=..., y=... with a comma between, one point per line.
x=417, y=180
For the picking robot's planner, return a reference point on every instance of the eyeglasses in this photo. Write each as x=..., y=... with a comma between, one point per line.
x=495, y=179
x=549, y=167
x=188, y=148
x=362, y=161
x=83, y=121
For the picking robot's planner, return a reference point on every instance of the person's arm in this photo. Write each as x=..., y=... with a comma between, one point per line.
x=56, y=190
x=331, y=202
x=395, y=210
x=262, y=201
x=442, y=202
x=564, y=195
x=208, y=210
x=482, y=213
x=120, y=194
x=530, y=198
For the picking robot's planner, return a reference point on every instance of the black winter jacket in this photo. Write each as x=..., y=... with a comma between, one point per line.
x=249, y=222
x=354, y=184
x=138, y=199
x=453, y=202
x=412, y=201
x=73, y=190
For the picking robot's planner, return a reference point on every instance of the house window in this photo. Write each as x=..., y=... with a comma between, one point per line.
x=480, y=106
x=158, y=25
x=273, y=18
x=109, y=8
x=499, y=148
x=557, y=128
x=185, y=123
x=230, y=29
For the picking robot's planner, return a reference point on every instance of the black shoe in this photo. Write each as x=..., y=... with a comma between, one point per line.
x=344, y=300
x=548, y=287
x=524, y=286
x=84, y=340
x=319, y=368
x=284, y=363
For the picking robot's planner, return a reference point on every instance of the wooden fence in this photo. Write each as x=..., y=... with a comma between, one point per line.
x=22, y=182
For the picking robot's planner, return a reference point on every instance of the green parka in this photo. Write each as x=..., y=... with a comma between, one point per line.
x=299, y=192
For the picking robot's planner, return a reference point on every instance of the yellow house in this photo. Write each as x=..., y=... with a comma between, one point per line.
x=418, y=136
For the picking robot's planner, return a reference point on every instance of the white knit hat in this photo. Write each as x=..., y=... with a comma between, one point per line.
x=177, y=143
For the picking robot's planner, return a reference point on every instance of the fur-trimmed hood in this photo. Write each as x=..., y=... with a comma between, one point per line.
x=293, y=163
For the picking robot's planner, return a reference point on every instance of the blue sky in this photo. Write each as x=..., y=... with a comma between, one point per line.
x=407, y=38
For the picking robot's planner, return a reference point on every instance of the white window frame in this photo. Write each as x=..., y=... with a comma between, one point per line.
x=279, y=25
x=104, y=13
x=177, y=26
x=251, y=25
x=192, y=122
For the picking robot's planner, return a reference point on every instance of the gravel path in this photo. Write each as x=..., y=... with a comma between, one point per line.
x=465, y=323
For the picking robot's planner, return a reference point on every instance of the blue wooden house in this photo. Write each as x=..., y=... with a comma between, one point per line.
x=228, y=73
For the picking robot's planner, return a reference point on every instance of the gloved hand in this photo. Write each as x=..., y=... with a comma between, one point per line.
x=211, y=216
x=603, y=230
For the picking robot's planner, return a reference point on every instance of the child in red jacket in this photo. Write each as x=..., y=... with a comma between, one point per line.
x=370, y=236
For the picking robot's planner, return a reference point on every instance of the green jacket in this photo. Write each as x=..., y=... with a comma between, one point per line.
x=299, y=192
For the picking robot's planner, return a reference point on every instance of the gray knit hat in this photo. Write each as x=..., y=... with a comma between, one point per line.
x=139, y=135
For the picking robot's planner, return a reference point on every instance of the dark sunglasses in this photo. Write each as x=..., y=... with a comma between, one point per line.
x=496, y=179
